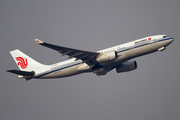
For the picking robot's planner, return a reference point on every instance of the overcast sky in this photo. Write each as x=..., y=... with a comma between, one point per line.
x=150, y=92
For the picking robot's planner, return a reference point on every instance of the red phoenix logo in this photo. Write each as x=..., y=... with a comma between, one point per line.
x=22, y=62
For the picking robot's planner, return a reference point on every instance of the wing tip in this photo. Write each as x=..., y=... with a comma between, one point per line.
x=38, y=41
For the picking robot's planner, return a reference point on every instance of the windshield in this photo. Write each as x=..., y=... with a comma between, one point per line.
x=165, y=36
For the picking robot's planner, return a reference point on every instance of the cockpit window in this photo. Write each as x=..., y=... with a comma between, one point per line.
x=165, y=36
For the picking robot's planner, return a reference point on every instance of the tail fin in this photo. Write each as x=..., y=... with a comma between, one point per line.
x=26, y=64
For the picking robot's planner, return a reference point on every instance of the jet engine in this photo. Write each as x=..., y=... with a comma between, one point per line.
x=106, y=57
x=126, y=66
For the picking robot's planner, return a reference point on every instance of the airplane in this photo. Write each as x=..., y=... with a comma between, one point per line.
x=80, y=61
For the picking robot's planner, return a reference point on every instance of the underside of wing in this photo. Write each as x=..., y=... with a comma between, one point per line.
x=85, y=56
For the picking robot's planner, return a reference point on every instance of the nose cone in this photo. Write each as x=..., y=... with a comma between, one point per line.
x=171, y=40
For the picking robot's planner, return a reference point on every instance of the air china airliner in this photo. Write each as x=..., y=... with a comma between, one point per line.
x=81, y=61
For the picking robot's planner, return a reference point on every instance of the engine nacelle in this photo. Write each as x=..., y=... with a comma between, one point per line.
x=126, y=66
x=106, y=57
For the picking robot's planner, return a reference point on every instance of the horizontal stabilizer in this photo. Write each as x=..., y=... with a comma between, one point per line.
x=23, y=73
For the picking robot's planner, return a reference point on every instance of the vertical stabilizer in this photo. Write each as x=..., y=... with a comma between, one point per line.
x=26, y=63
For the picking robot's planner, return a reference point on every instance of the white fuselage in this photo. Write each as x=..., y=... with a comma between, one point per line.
x=125, y=52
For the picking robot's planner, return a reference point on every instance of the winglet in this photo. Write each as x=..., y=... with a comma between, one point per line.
x=38, y=41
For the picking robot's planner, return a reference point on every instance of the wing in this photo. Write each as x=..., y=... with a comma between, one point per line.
x=85, y=56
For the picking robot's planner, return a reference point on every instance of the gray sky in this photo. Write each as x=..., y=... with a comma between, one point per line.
x=150, y=92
